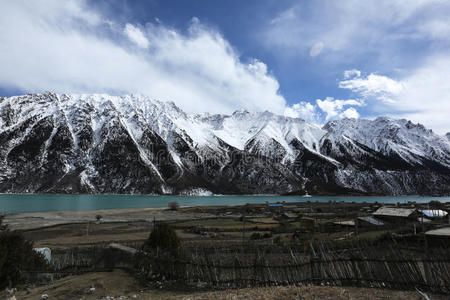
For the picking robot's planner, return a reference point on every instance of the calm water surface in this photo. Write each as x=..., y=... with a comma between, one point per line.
x=15, y=203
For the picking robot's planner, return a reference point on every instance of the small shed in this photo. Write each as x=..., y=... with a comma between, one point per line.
x=396, y=214
x=439, y=237
x=286, y=216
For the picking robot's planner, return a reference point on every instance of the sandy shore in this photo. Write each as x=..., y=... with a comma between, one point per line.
x=26, y=221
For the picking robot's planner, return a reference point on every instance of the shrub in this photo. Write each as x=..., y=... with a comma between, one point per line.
x=267, y=235
x=174, y=206
x=256, y=236
x=2, y=226
x=16, y=255
x=435, y=204
x=163, y=237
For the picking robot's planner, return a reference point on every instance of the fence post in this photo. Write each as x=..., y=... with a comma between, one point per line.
x=315, y=274
x=243, y=230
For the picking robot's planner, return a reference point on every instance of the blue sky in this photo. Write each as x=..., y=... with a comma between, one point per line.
x=319, y=60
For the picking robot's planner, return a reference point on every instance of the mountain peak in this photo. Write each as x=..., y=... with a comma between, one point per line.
x=132, y=144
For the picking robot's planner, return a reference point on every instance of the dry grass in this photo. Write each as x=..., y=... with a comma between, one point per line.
x=209, y=223
x=119, y=283
x=76, y=287
x=264, y=220
x=313, y=292
x=91, y=239
x=225, y=224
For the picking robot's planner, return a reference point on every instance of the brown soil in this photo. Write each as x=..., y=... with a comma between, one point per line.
x=119, y=283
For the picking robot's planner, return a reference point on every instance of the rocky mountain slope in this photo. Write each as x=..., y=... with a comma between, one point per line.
x=131, y=144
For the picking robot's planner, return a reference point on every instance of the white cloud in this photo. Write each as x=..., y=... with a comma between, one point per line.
x=435, y=29
x=324, y=110
x=66, y=47
x=334, y=107
x=284, y=16
x=373, y=85
x=304, y=110
x=349, y=28
x=136, y=36
x=350, y=113
x=426, y=95
x=352, y=73
x=406, y=40
x=316, y=49
x=422, y=96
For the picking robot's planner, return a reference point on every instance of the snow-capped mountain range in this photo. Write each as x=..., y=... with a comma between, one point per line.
x=132, y=144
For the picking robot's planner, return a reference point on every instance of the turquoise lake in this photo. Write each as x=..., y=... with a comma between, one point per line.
x=16, y=203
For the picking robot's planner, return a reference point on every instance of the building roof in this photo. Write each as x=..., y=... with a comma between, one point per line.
x=290, y=207
x=289, y=215
x=433, y=213
x=423, y=220
x=123, y=248
x=345, y=223
x=373, y=221
x=394, y=212
x=445, y=231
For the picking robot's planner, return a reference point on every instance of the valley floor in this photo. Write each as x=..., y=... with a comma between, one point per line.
x=220, y=228
x=194, y=225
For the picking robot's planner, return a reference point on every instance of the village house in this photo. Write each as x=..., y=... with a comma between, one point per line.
x=396, y=215
x=287, y=217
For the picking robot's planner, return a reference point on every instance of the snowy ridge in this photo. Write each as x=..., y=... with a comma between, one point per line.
x=410, y=141
x=99, y=143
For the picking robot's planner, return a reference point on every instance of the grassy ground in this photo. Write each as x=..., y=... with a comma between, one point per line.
x=91, y=239
x=119, y=283
x=227, y=224
x=71, y=235
x=84, y=234
x=263, y=220
x=76, y=235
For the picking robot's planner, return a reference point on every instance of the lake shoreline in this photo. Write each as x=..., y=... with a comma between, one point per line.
x=35, y=220
x=29, y=203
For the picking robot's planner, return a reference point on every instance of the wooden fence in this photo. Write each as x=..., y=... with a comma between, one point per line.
x=385, y=268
